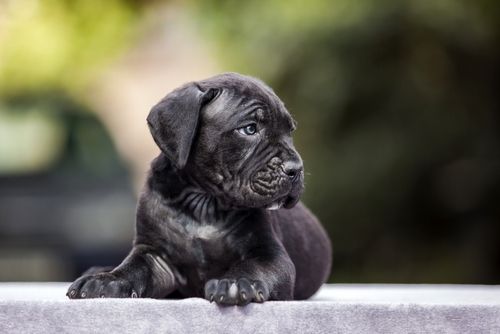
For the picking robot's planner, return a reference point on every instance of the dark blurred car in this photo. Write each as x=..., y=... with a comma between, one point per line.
x=66, y=200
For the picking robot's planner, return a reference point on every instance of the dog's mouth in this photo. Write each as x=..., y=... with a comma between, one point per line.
x=276, y=205
x=275, y=188
x=286, y=202
x=291, y=201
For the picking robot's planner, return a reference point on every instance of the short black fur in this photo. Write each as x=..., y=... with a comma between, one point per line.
x=220, y=216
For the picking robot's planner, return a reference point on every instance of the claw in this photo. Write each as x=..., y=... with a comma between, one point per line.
x=221, y=299
x=134, y=294
x=261, y=296
x=83, y=294
x=71, y=294
x=211, y=298
x=243, y=296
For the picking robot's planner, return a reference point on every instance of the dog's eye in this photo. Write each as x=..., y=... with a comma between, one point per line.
x=248, y=130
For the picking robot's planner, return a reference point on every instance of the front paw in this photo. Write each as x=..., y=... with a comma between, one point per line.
x=102, y=285
x=236, y=291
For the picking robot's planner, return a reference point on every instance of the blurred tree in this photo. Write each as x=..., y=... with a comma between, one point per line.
x=397, y=107
x=55, y=44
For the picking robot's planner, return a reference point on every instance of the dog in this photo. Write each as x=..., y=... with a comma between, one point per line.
x=220, y=216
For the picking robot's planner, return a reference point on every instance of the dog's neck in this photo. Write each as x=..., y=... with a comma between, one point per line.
x=182, y=192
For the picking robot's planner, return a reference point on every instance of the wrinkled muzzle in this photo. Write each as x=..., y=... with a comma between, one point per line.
x=281, y=184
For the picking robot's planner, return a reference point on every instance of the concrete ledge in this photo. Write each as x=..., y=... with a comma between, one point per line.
x=43, y=308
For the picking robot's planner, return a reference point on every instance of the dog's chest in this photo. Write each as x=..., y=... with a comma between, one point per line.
x=201, y=245
x=206, y=243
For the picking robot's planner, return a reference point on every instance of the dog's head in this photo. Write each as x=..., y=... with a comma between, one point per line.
x=231, y=135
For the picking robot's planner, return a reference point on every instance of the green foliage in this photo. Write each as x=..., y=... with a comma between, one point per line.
x=54, y=44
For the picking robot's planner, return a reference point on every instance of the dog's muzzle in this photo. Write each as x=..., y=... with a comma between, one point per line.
x=289, y=175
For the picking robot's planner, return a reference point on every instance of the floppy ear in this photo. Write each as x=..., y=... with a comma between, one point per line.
x=173, y=121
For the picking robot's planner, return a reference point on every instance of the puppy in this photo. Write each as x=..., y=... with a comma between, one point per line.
x=220, y=216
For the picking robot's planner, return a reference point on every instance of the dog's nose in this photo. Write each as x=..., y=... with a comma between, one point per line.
x=292, y=169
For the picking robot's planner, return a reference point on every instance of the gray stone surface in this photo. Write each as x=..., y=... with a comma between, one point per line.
x=43, y=308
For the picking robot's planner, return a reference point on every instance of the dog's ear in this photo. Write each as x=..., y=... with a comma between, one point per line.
x=174, y=120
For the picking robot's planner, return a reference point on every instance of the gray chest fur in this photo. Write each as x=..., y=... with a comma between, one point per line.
x=196, y=248
x=197, y=244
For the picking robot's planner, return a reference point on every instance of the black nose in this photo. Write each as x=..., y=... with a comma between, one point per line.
x=292, y=169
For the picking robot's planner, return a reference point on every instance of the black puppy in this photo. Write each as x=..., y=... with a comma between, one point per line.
x=205, y=225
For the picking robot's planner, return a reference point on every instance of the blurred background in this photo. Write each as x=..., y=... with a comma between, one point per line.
x=397, y=103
